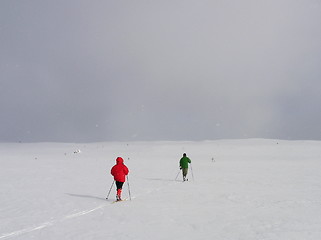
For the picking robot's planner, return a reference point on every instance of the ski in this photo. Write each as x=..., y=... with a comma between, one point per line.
x=125, y=199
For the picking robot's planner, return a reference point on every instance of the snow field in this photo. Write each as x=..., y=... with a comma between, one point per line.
x=253, y=189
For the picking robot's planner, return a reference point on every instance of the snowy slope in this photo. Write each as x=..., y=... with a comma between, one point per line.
x=240, y=189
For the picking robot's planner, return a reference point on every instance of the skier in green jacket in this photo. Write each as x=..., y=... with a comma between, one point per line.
x=183, y=164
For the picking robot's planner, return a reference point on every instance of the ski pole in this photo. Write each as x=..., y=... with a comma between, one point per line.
x=192, y=172
x=130, y=198
x=177, y=175
x=110, y=189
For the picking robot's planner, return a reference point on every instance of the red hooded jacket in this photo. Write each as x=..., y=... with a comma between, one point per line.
x=119, y=171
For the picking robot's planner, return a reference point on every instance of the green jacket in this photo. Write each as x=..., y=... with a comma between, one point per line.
x=183, y=163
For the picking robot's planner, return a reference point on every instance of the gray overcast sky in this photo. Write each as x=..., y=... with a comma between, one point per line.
x=99, y=70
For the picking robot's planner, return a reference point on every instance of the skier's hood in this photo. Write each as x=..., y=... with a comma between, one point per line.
x=119, y=160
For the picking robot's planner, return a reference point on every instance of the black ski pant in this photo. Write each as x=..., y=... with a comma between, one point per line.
x=119, y=185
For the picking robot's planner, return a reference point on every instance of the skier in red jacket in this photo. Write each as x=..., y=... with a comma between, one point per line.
x=119, y=171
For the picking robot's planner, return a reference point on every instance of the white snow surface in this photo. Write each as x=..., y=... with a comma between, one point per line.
x=250, y=189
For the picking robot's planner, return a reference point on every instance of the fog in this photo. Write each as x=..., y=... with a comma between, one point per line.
x=83, y=71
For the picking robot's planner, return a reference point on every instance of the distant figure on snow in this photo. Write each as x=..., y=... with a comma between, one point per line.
x=119, y=171
x=183, y=164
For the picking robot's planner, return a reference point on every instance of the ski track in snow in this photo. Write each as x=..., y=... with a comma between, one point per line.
x=53, y=222
x=50, y=223
x=63, y=219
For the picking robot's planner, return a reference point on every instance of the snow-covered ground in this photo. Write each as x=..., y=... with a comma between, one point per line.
x=250, y=189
